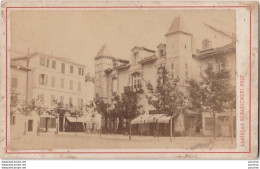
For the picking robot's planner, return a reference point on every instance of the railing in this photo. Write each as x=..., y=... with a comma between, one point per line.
x=132, y=89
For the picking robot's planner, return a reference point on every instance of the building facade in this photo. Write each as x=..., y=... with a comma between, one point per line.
x=56, y=80
x=18, y=98
x=179, y=56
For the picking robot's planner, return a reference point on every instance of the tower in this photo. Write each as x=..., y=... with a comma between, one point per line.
x=103, y=61
x=179, y=47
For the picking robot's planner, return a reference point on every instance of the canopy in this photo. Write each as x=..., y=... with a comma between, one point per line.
x=164, y=119
x=147, y=118
x=140, y=119
x=78, y=120
x=153, y=118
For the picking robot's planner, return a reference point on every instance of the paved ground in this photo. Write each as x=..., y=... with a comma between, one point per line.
x=49, y=141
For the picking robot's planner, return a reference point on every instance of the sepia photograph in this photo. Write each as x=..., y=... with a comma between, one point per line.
x=122, y=79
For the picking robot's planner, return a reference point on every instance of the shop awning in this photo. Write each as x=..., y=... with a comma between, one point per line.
x=74, y=120
x=153, y=118
x=165, y=118
x=140, y=119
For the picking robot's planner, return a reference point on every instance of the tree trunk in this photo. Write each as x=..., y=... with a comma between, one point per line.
x=214, y=121
x=171, y=129
x=232, y=126
x=130, y=129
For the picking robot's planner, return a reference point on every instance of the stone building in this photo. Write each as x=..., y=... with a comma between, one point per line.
x=56, y=79
x=183, y=61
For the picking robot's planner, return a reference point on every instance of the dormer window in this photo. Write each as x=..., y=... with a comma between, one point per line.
x=136, y=57
x=162, y=53
x=206, y=44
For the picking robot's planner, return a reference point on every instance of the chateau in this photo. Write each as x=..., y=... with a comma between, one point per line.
x=179, y=55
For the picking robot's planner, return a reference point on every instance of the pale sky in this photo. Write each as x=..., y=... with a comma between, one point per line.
x=79, y=34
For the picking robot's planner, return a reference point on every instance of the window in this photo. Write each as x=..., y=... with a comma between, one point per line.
x=162, y=52
x=136, y=81
x=136, y=57
x=71, y=69
x=52, y=100
x=70, y=102
x=53, y=81
x=80, y=103
x=206, y=44
x=53, y=123
x=42, y=61
x=43, y=79
x=62, y=83
x=62, y=100
x=186, y=71
x=79, y=86
x=12, y=120
x=53, y=64
x=79, y=70
x=71, y=84
x=14, y=82
x=63, y=68
x=42, y=96
x=47, y=62
x=224, y=121
x=114, y=83
x=161, y=73
x=209, y=123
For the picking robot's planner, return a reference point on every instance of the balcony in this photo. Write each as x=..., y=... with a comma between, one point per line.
x=137, y=89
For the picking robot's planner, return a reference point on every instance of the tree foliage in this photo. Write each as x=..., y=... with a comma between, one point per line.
x=214, y=93
x=127, y=105
x=165, y=95
x=36, y=104
x=100, y=105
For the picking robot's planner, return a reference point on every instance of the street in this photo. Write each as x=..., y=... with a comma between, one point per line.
x=49, y=141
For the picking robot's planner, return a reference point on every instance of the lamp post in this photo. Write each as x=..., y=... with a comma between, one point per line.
x=141, y=128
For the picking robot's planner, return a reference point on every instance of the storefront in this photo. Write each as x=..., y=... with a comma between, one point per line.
x=73, y=124
x=225, y=124
x=48, y=123
x=151, y=125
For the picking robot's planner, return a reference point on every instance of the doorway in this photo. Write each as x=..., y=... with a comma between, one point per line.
x=30, y=125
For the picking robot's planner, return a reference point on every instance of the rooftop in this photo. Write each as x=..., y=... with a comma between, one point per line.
x=215, y=51
x=142, y=48
x=178, y=25
x=48, y=56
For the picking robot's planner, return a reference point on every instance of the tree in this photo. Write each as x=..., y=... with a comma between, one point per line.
x=102, y=108
x=166, y=96
x=14, y=100
x=127, y=106
x=36, y=104
x=213, y=93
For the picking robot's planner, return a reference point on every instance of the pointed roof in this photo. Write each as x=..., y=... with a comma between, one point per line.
x=178, y=25
x=104, y=51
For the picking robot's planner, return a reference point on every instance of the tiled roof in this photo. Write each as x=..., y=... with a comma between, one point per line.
x=104, y=51
x=143, y=48
x=48, y=56
x=178, y=26
x=215, y=51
